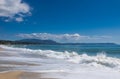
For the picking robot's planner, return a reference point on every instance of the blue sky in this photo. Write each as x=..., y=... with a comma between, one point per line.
x=88, y=18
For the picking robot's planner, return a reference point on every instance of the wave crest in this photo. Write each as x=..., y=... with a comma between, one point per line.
x=100, y=60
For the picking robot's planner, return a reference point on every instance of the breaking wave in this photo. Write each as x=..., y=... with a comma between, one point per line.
x=100, y=60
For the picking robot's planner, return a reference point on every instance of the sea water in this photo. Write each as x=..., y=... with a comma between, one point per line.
x=91, y=50
x=75, y=61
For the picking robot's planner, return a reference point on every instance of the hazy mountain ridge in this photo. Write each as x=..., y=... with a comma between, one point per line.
x=47, y=42
x=37, y=41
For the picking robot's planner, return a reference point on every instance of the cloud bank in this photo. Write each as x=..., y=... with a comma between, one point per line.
x=64, y=38
x=14, y=10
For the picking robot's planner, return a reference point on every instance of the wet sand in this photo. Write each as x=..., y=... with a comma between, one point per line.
x=1, y=49
x=10, y=75
x=6, y=74
x=21, y=75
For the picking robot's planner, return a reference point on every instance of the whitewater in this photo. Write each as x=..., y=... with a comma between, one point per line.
x=60, y=64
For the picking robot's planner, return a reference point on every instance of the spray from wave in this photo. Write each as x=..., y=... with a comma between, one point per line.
x=100, y=60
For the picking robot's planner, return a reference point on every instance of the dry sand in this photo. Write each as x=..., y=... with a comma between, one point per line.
x=10, y=75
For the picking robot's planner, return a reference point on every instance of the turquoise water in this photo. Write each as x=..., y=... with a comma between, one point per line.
x=92, y=50
x=73, y=59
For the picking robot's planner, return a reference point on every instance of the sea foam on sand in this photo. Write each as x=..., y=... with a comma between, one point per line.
x=60, y=65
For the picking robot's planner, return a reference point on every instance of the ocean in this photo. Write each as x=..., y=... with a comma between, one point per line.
x=91, y=50
x=63, y=61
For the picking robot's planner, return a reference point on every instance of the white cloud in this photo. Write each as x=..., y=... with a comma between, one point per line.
x=64, y=37
x=19, y=19
x=14, y=9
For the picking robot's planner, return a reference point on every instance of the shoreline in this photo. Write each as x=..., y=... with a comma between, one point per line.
x=19, y=64
x=10, y=75
x=22, y=75
x=1, y=49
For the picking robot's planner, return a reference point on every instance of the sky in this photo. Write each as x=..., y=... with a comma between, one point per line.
x=61, y=20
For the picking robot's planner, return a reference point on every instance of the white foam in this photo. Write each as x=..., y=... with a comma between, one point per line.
x=78, y=66
x=100, y=60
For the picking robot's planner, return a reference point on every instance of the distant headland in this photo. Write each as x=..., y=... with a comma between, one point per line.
x=45, y=42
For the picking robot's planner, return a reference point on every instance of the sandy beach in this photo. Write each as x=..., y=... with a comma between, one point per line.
x=23, y=63
x=10, y=75
x=1, y=49
x=59, y=39
x=21, y=75
x=6, y=74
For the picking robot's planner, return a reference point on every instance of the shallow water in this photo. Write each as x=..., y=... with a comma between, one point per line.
x=92, y=50
x=64, y=61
